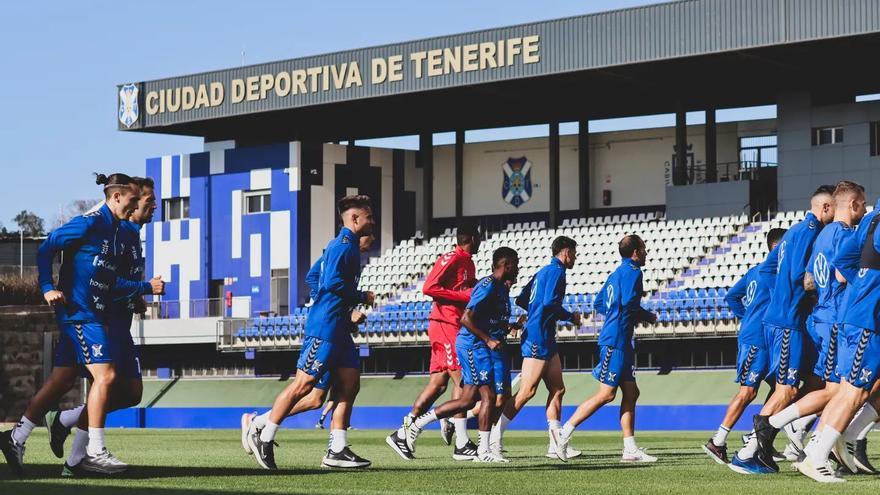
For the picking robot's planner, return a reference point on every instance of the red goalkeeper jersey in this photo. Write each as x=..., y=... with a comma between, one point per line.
x=449, y=283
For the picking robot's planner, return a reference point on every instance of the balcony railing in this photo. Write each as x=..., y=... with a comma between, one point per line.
x=198, y=308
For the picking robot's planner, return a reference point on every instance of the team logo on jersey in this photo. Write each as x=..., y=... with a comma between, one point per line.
x=516, y=187
x=484, y=375
x=792, y=373
x=866, y=375
x=821, y=270
x=97, y=351
x=863, y=272
x=753, y=376
x=751, y=290
x=128, y=105
x=611, y=376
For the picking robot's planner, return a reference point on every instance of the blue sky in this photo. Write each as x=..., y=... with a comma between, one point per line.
x=62, y=60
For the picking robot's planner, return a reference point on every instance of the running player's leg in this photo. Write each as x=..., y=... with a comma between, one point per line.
x=609, y=374
x=484, y=420
x=864, y=364
x=479, y=371
x=631, y=451
x=555, y=391
x=315, y=359
x=347, y=382
x=12, y=441
x=459, y=421
x=530, y=378
x=786, y=357
x=752, y=362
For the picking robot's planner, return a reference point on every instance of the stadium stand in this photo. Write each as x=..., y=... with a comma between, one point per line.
x=691, y=264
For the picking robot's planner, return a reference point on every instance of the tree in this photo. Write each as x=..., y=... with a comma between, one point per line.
x=74, y=209
x=29, y=223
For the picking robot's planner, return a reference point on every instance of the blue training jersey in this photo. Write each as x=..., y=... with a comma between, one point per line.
x=490, y=302
x=620, y=301
x=542, y=298
x=748, y=300
x=821, y=267
x=847, y=258
x=794, y=251
x=313, y=277
x=863, y=309
x=130, y=275
x=329, y=317
x=88, y=274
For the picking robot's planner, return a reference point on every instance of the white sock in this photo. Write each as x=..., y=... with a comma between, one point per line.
x=567, y=430
x=470, y=414
x=748, y=451
x=821, y=445
x=785, y=416
x=268, y=433
x=426, y=419
x=69, y=417
x=484, y=442
x=554, y=424
x=78, y=450
x=864, y=418
x=629, y=444
x=338, y=440
x=503, y=421
x=261, y=420
x=461, y=436
x=96, y=441
x=804, y=423
x=408, y=419
x=720, y=438
x=22, y=430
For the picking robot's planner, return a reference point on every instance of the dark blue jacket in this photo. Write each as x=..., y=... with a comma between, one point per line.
x=329, y=317
x=88, y=279
x=620, y=301
x=542, y=297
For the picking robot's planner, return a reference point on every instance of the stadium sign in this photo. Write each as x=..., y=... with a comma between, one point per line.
x=299, y=78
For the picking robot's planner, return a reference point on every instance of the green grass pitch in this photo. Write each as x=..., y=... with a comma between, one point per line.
x=187, y=462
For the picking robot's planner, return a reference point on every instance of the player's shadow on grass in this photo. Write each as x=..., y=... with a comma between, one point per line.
x=53, y=472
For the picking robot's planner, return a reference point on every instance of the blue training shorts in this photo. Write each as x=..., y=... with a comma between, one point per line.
x=90, y=341
x=477, y=366
x=501, y=370
x=615, y=366
x=826, y=364
x=751, y=365
x=786, y=352
x=319, y=357
x=859, y=359
x=538, y=348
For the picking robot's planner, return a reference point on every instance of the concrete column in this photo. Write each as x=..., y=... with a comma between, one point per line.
x=584, y=186
x=711, y=149
x=554, y=175
x=459, y=173
x=426, y=158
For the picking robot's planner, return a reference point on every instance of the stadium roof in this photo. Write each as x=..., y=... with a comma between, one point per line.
x=637, y=61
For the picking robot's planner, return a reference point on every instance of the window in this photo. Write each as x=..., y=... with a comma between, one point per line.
x=827, y=135
x=875, y=138
x=257, y=202
x=175, y=209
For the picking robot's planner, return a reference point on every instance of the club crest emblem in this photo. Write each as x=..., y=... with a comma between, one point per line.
x=516, y=187
x=750, y=293
x=128, y=105
x=821, y=270
x=97, y=351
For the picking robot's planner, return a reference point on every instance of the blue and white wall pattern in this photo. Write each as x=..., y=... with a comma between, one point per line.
x=220, y=246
